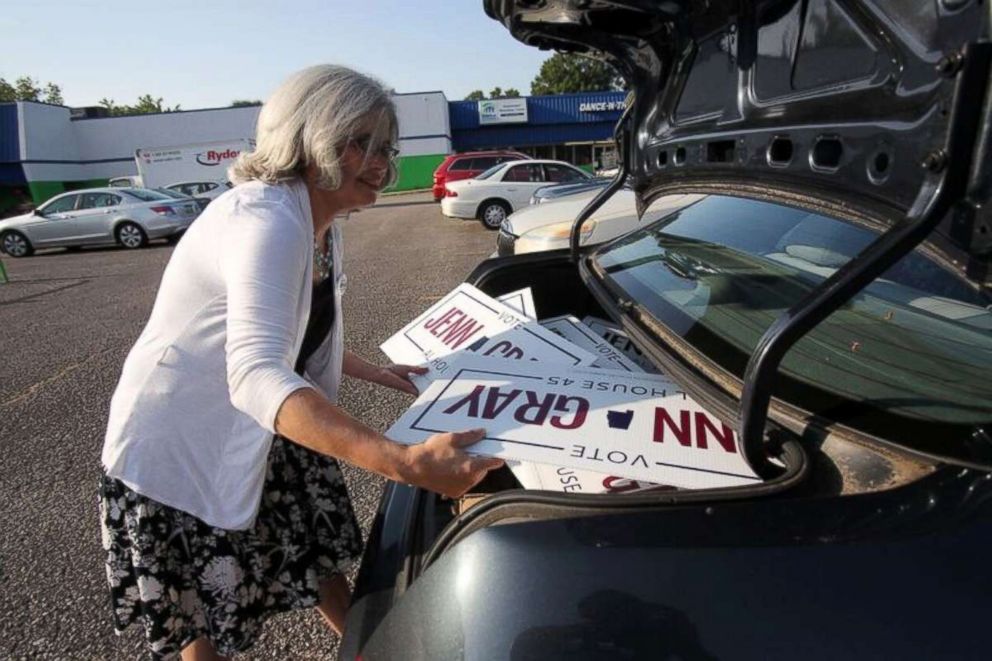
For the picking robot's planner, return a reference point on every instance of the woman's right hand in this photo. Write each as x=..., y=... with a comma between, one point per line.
x=441, y=464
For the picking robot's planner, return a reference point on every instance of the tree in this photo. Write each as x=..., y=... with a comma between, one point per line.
x=146, y=104
x=563, y=73
x=494, y=93
x=238, y=103
x=53, y=94
x=26, y=88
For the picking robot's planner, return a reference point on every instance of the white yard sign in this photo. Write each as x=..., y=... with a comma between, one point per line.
x=615, y=336
x=640, y=427
x=576, y=332
x=565, y=479
x=468, y=320
x=522, y=301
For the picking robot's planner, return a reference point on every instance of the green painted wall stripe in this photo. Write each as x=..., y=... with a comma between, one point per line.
x=416, y=171
x=43, y=190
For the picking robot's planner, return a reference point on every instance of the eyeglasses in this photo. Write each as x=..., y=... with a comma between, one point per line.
x=386, y=150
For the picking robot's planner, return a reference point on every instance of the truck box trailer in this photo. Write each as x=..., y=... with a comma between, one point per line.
x=204, y=161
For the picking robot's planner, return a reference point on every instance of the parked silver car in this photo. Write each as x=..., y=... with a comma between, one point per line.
x=129, y=217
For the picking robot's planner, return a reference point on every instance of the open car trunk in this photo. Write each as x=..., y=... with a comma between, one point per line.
x=870, y=111
x=823, y=464
x=496, y=573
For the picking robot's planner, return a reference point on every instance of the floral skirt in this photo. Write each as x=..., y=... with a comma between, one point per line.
x=183, y=579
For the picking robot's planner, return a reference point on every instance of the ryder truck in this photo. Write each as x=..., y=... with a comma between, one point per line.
x=204, y=161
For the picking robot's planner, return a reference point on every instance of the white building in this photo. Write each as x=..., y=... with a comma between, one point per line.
x=45, y=151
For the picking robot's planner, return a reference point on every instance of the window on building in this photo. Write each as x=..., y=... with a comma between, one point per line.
x=544, y=151
x=583, y=155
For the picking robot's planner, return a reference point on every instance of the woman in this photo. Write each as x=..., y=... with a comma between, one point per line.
x=222, y=502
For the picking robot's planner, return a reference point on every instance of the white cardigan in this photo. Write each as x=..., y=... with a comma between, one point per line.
x=193, y=415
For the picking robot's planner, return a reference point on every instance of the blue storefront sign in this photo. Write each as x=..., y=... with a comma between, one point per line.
x=549, y=120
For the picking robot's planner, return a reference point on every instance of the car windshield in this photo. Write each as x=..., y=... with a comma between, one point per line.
x=146, y=195
x=908, y=359
x=490, y=172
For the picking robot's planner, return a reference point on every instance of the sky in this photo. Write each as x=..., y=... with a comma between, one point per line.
x=207, y=53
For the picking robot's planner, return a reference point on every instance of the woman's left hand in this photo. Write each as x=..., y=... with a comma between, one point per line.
x=398, y=377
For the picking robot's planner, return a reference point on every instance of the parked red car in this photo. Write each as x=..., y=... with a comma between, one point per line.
x=467, y=165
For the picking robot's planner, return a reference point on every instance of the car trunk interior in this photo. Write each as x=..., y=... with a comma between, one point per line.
x=557, y=289
x=833, y=466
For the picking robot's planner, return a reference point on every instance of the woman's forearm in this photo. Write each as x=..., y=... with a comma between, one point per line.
x=440, y=463
x=307, y=418
x=357, y=367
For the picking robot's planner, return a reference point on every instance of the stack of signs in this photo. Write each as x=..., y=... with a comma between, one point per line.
x=635, y=426
x=607, y=356
x=615, y=336
x=468, y=320
x=572, y=480
x=522, y=301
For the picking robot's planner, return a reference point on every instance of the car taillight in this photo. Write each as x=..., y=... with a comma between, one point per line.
x=164, y=211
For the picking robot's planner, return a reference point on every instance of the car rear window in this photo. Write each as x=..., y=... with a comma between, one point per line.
x=490, y=172
x=460, y=164
x=908, y=359
x=146, y=195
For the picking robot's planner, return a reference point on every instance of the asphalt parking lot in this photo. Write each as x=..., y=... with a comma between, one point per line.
x=67, y=321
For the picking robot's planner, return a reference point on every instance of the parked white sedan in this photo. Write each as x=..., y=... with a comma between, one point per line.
x=501, y=190
x=126, y=216
x=548, y=226
x=209, y=190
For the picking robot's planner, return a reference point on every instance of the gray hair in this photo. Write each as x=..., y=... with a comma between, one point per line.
x=309, y=119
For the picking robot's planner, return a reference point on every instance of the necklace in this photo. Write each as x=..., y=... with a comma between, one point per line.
x=323, y=260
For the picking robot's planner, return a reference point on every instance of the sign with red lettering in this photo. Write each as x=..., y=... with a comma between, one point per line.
x=468, y=320
x=563, y=478
x=636, y=426
x=522, y=301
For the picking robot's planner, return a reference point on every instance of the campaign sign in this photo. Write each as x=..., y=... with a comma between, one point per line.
x=636, y=426
x=613, y=334
x=607, y=356
x=522, y=301
x=565, y=479
x=467, y=319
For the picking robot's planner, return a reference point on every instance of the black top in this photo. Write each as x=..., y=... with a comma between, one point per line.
x=320, y=322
